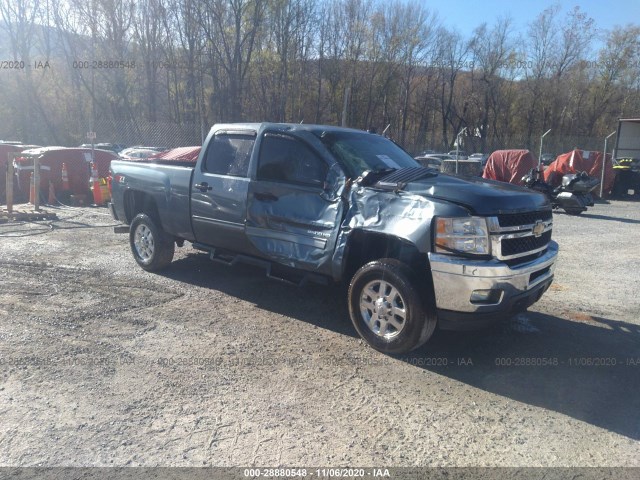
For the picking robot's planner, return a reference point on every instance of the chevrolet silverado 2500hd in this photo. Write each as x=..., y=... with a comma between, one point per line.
x=311, y=202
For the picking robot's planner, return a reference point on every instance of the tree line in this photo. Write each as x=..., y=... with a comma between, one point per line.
x=386, y=65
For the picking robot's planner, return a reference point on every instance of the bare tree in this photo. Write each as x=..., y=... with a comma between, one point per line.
x=22, y=22
x=613, y=78
x=183, y=54
x=364, y=63
x=345, y=48
x=231, y=28
x=574, y=43
x=451, y=57
x=284, y=52
x=111, y=22
x=538, y=53
x=150, y=38
x=417, y=41
x=492, y=49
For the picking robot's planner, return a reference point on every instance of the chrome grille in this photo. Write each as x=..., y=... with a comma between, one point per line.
x=515, y=246
x=512, y=234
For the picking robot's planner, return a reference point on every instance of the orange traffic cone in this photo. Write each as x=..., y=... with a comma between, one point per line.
x=97, y=192
x=94, y=171
x=32, y=191
x=52, y=194
x=65, y=178
x=95, y=185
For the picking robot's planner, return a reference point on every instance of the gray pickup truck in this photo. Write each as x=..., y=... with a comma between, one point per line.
x=416, y=248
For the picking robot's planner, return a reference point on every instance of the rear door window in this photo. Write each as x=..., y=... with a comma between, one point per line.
x=229, y=154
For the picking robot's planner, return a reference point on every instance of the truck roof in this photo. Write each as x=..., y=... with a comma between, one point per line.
x=288, y=127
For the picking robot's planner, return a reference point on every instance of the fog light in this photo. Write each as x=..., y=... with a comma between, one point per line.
x=486, y=297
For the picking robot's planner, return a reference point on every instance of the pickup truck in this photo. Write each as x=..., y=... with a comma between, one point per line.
x=417, y=249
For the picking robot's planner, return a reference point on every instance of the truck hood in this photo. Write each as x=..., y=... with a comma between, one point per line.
x=482, y=197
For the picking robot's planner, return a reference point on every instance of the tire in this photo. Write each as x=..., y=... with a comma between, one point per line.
x=152, y=248
x=573, y=211
x=406, y=321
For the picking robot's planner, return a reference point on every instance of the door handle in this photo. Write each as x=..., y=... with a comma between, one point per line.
x=203, y=187
x=265, y=197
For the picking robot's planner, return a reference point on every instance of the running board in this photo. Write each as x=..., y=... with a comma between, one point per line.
x=296, y=278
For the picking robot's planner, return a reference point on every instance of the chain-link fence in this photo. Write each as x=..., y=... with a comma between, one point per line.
x=129, y=133
x=554, y=145
x=73, y=132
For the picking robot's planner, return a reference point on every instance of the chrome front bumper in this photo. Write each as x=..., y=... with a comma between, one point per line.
x=456, y=278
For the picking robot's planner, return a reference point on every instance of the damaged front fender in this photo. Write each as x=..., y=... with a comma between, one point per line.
x=399, y=215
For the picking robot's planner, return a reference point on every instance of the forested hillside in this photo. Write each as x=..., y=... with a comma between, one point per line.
x=164, y=71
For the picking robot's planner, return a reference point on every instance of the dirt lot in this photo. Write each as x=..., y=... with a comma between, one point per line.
x=104, y=364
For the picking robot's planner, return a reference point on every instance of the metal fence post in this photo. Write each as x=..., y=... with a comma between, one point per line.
x=604, y=162
x=9, y=192
x=540, y=153
x=36, y=183
x=458, y=146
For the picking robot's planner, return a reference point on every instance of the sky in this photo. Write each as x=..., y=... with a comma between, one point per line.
x=466, y=15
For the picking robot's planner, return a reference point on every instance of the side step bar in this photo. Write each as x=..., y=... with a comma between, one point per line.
x=273, y=271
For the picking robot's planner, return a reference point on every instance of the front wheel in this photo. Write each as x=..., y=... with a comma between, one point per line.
x=152, y=248
x=386, y=309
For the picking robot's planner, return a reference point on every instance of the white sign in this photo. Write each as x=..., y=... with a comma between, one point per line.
x=91, y=135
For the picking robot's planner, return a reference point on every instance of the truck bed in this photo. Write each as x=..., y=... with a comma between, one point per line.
x=168, y=183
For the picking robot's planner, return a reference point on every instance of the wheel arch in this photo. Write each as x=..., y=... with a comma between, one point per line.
x=136, y=202
x=363, y=247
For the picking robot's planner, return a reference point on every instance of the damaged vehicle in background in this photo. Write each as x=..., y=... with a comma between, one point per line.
x=481, y=157
x=432, y=160
x=136, y=153
x=318, y=203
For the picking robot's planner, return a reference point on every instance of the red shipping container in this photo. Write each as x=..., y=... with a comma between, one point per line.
x=78, y=164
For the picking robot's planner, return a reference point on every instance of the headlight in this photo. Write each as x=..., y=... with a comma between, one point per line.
x=467, y=235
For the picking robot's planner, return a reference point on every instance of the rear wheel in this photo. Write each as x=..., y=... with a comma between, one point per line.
x=386, y=308
x=152, y=248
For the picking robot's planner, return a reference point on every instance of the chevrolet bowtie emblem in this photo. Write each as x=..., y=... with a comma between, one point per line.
x=538, y=228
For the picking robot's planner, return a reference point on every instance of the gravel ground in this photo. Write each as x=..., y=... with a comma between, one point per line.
x=103, y=364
